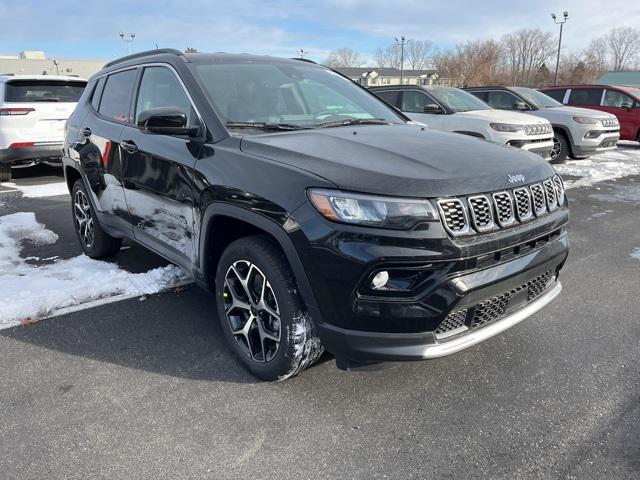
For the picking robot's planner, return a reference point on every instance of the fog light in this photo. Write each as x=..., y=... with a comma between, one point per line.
x=380, y=280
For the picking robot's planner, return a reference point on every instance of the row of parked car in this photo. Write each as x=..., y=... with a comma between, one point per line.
x=517, y=116
x=559, y=123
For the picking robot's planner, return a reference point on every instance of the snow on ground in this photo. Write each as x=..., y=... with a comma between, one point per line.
x=37, y=291
x=636, y=253
x=37, y=191
x=618, y=163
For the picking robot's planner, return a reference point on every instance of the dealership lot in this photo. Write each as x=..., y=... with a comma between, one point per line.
x=145, y=387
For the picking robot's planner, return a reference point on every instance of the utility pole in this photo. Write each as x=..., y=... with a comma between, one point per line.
x=56, y=63
x=565, y=17
x=128, y=40
x=401, y=43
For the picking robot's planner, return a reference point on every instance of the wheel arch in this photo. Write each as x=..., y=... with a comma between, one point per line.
x=71, y=175
x=565, y=131
x=235, y=222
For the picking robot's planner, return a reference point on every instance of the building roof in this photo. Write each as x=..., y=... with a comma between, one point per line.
x=357, y=72
x=627, y=78
x=66, y=78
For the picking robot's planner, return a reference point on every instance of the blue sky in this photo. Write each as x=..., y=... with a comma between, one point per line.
x=89, y=29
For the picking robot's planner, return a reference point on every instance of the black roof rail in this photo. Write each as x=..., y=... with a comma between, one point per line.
x=146, y=53
x=304, y=60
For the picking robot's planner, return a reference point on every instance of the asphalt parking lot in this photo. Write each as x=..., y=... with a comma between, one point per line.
x=147, y=388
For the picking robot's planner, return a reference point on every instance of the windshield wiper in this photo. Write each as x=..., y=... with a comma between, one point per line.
x=353, y=121
x=265, y=125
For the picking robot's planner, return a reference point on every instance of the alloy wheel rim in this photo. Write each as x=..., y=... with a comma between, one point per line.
x=252, y=311
x=555, y=152
x=83, y=217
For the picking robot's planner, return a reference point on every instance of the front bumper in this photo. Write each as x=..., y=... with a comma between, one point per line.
x=607, y=140
x=22, y=155
x=542, y=147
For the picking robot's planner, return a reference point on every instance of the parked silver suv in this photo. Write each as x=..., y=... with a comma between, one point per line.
x=578, y=132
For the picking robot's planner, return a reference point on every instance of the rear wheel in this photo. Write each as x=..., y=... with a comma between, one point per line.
x=5, y=172
x=95, y=242
x=561, y=148
x=261, y=314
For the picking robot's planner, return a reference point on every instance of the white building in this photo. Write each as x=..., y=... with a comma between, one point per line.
x=36, y=63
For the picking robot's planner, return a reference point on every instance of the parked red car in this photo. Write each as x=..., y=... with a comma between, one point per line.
x=623, y=102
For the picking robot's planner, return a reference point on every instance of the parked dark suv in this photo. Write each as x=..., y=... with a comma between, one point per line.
x=317, y=214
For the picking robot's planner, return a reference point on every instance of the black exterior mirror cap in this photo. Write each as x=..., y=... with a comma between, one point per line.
x=167, y=121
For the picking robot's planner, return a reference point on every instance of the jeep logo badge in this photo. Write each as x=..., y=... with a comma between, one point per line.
x=515, y=178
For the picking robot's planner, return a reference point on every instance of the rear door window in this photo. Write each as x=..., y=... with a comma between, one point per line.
x=557, y=95
x=392, y=97
x=29, y=91
x=116, y=96
x=585, y=96
x=414, y=101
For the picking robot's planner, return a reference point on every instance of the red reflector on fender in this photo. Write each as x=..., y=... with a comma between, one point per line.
x=21, y=144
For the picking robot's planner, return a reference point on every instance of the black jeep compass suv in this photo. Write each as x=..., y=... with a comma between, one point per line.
x=320, y=216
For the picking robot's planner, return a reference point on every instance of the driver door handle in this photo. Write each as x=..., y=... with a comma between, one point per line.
x=129, y=146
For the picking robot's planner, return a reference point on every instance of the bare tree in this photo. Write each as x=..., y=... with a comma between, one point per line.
x=595, y=57
x=525, y=52
x=419, y=54
x=624, y=46
x=344, y=57
x=387, y=57
x=471, y=63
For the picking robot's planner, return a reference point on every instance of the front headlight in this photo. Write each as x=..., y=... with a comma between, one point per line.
x=586, y=120
x=506, y=127
x=372, y=210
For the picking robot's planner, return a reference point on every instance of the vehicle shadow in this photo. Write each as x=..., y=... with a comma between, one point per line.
x=176, y=333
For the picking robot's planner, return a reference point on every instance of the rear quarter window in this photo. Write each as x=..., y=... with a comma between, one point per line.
x=29, y=91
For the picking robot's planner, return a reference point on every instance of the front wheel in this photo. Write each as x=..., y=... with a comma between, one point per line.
x=261, y=314
x=560, y=149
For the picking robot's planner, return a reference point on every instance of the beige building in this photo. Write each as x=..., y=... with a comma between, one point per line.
x=36, y=63
x=373, y=76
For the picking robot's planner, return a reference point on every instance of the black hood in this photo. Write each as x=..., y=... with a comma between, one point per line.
x=402, y=160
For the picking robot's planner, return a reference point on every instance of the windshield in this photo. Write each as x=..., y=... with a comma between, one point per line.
x=537, y=98
x=43, y=91
x=300, y=95
x=457, y=100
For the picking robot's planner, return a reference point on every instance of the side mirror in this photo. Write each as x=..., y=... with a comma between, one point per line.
x=520, y=106
x=432, y=108
x=166, y=121
x=627, y=105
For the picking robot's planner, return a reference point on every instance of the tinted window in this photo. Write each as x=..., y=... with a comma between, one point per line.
x=117, y=95
x=585, y=96
x=502, y=99
x=160, y=88
x=414, y=101
x=484, y=96
x=391, y=97
x=457, y=100
x=97, y=93
x=615, y=98
x=557, y=95
x=43, y=91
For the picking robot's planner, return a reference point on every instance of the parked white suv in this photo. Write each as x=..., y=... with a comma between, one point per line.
x=578, y=132
x=33, y=112
x=454, y=110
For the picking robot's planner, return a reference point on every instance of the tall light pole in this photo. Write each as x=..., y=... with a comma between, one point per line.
x=401, y=43
x=565, y=17
x=128, y=40
x=301, y=53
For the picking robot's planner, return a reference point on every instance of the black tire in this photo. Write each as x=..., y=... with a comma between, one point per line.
x=561, y=148
x=5, y=172
x=298, y=345
x=98, y=243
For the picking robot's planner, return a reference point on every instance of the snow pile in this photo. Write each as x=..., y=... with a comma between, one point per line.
x=636, y=253
x=618, y=163
x=37, y=191
x=34, y=292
